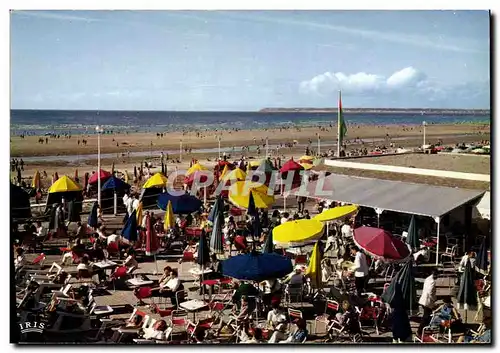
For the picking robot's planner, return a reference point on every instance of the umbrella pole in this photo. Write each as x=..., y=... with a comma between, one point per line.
x=156, y=264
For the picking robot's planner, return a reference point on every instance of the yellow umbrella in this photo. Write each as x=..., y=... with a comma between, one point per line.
x=336, y=213
x=224, y=172
x=255, y=163
x=306, y=158
x=306, y=166
x=126, y=176
x=139, y=214
x=196, y=168
x=239, y=194
x=64, y=184
x=157, y=180
x=169, y=221
x=36, y=180
x=235, y=174
x=314, y=267
x=297, y=233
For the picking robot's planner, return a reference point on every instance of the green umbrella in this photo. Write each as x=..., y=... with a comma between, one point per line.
x=405, y=279
x=412, y=237
x=467, y=294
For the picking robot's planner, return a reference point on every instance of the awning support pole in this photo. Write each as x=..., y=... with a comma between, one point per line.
x=378, y=211
x=437, y=220
x=115, y=204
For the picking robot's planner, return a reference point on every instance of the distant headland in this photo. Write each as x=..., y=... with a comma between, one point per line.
x=412, y=111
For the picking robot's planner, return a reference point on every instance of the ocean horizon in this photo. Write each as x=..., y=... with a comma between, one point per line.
x=37, y=122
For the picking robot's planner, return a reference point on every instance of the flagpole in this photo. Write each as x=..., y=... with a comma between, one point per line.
x=339, y=142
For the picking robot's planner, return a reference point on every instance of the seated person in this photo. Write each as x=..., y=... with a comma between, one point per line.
x=244, y=289
x=246, y=309
x=41, y=232
x=272, y=292
x=296, y=278
x=130, y=262
x=170, y=287
x=275, y=318
x=251, y=335
x=192, y=248
x=134, y=322
x=297, y=336
x=483, y=336
x=444, y=313
x=78, y=249
x=326, y=270
x=83, y=269
x=157, y=331
x=348, y=317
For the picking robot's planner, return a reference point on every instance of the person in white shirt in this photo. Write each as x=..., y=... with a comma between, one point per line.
x=427, y=300
x=275, y=317
x=130, y=262
x=20, y=259
x=170, y=287
x=346, y=230
x=128, y=202
x=40, y=230
x=326, y=270
x=469, y=256
x=361, y=269
x=114, y=238
x=284, y=218
x=330, y=241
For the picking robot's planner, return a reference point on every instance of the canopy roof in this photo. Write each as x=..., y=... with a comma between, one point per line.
x=65, y=184
x=397, y=196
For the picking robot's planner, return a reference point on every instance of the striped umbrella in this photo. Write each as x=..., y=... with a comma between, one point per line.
x=217, y=217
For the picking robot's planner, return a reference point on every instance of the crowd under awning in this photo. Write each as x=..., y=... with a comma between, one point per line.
x=389, y=195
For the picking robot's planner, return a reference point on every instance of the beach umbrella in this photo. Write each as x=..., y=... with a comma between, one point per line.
x=92, y=220
x=135, y=172
x=252, y=211
x=257, y=267
x=202, y=177
x=19, y=203
x=36, y=181
x=405, y=281
x=314, y=268
x=401, y=326
x=268, y=245
x=125, y=176
x=224, y=172
x=217, y=214
x=381, y=244
x=467, y=294
x=307, y=162
x=297, y=233
x=169, y=221
x=203, y=250
x=64, y=184
x=235, y=174
x=102, y=174
x=335, y=213
x=151, y=238
x=412, y=237
x=239, y=194
x=115, y=183
x=196, y=168
x=290, y=166
x=182, y=204
x=156, y=181
x=482, y=262
x=139, y=214
x=129, y=230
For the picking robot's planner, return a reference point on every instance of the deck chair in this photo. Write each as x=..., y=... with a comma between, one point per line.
x=450, y=253
x=178, y=319
x=331, y=308
x=64, y=292
x=147, y=322
x=370, y=314
x=114, y=324
x=294, y=314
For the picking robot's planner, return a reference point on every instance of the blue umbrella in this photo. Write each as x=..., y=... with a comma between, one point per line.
x=183, y=204
x=203, y=251
x=482, y=257
x=217, y=213
x=114, y=183
x=257, y=267
x=268, y=245
x=129, y=231
x=92, y=220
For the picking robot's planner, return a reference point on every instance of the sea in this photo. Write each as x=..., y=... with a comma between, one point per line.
x=40, y=122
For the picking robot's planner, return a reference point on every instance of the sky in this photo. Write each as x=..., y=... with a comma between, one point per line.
x=249, y=60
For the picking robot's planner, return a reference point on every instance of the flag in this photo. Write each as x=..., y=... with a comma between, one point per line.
x=342, y=128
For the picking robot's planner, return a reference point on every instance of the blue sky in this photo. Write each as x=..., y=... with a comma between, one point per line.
x=247, y=60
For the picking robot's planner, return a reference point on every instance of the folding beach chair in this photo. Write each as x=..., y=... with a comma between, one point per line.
x=331, y=308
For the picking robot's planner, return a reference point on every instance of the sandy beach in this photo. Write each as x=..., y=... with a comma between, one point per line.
x=120, y=148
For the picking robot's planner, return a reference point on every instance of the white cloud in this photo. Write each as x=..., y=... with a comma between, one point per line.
x=362, y=82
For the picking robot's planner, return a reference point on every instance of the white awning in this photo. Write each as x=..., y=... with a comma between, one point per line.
x=483, y=208
x=389, y=195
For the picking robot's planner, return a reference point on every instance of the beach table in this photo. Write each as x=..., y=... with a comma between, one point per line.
x=106, y=264
x=138, y=282
x=193, y=306
x=196, y=271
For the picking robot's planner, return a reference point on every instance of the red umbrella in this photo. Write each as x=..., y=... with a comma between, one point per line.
x=289, y=166
x=380, y=243
x=151, y=238
x=103, y=175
